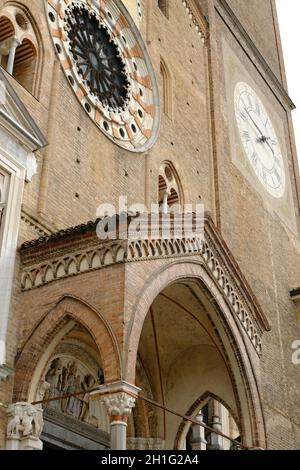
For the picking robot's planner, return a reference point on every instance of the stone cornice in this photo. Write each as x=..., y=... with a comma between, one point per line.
x=77, y=251
x=32, y=221
x=241, y=35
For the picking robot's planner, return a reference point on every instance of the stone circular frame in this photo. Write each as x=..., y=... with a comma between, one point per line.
x=133, y=126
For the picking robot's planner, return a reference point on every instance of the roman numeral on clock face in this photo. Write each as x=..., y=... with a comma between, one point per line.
x=243, y=116
x=277, y=175
x=254, y=158
x=257, y=107
x=246, y=136
x=277, y=161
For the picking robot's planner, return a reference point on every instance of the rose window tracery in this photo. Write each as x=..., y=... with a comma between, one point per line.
x=107, y=65
x=98, y=59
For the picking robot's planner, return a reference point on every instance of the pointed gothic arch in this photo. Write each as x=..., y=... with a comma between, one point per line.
x=49, y=329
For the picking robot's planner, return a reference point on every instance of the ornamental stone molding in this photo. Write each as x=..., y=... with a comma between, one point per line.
x=25, y=425
x=119, y=405
x=77, y=250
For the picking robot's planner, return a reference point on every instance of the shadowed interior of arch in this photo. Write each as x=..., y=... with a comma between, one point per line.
x=180, y=357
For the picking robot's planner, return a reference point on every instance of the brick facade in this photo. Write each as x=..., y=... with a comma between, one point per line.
x=81, y=169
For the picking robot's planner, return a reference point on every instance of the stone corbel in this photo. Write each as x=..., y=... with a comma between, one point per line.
x=25, y=425
x=31, y=167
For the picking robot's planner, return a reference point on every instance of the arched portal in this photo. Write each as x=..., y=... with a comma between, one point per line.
x=190, y=345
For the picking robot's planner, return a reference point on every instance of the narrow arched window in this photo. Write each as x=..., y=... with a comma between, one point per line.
x=25, y=64
x=169, y=188
x=163, y=5
x=19, y=49
x=166, y=89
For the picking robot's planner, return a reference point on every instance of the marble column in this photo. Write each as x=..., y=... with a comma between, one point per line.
x=11, y=56
x=198, y=441
x=25, y=425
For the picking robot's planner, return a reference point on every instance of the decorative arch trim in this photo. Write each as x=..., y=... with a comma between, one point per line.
x=210, y=249
x=167, y=88
x=169, y=183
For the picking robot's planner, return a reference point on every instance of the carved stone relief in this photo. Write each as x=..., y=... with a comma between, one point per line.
x=66, y=376
x=24, y=420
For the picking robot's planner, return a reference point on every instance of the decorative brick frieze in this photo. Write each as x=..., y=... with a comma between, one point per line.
x=76, y=251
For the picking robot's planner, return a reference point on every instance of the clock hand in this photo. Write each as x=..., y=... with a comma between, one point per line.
x=267, y=142
x=254, y=122
x=263, y=138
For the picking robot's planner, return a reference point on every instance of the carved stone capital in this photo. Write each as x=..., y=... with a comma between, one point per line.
x=24, y=421
x=119, y=405
x=119, y=399
x=8, y=44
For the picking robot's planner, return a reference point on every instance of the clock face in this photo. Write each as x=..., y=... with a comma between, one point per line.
x=259, y=139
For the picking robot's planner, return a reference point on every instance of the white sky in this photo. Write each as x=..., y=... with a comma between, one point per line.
x=289, y=21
